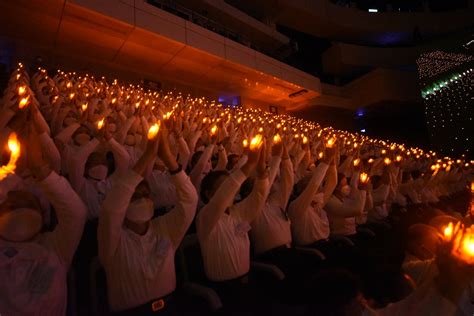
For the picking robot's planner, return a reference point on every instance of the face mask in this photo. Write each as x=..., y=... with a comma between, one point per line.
x=140, y=211
x=82, y=139
x=346, y=190
x=130, y=140
x=20, y=224
x=98, y=172
x=200, y=148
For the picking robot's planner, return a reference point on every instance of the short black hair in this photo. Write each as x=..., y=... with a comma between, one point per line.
x=209, y=181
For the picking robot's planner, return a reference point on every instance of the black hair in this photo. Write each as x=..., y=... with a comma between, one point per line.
x=230, y=161
x=209, y=181
x=246, y=188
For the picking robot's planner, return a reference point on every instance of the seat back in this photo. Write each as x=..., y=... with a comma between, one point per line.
x=98, y=289
x=189, y=263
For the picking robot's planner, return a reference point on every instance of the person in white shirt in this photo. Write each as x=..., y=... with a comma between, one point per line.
x=345, y=204
x=222, y=226
x=309, y=221
x=136, y=251
x=34, y=264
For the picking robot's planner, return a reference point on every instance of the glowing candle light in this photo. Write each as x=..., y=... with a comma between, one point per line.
x=245, y=143
x=153, y=130
x=277, y=139
x=256, y=142
x=387, y=161
x=305, y=140
x=384, y=151
x=14, y=148
x=21, y=90
x=114, y=100
x=320, y=155
x=71, y=96
x=364, y=178
x=448, y=232
x=213, y=130
x=260, y=130
x=330, y=143
x=100, y=123
x=398, y=158
x=84, y=107
x=371, y=160
x=24, y=102
x=356, y=162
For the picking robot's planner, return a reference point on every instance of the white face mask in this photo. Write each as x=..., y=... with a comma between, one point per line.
x=140, y=211
x=82, y=139
x=346, y=190
x=130, y=140
x=98, y=172
x=20, y=224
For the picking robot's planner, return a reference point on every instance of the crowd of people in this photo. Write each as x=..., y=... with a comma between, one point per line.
x=92, y=168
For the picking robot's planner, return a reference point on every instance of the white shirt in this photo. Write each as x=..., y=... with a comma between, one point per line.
x=309, y=222
x=224, y=237
x=272, y=228
x=342, y=213
x=141, y=268
x=33, y=274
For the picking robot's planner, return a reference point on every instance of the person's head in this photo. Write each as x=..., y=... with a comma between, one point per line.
x=96, y=166
x=21, y=218
x=422, y=241
x=342, y=185
x=334, y=292
x=140, y=210
x=211, y=182
x=82, y=135
x=232, y=161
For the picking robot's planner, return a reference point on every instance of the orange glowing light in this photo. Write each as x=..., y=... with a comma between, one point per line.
x=387, y=161
x=24, y=102
x=356, y=162
x=21, y=90
x=153, y=130
x=14, y=148
x=213, y=130
x=245, y=143
x=364, y=178
x=330, y=143
x=256, y=142
x=100, y=123
x=277, y=139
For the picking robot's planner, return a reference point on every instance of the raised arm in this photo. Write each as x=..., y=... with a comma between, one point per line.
x=78, y=163
x=177, y=221
x=223, y=198
x=70, y=210
x=116, y=202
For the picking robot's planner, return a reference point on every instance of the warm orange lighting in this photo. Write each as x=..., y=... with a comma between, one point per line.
x=472, y=187
x=330, y=143
x=256, y=142
x=398, y=158
x=305, y=140
x=84, y=107
x=245, y=143
x=448, y=231
x=167, y=116
x=14, y=148
x=387, y=161
x=100, y=124
x=356, y=162
x=21, y=90
x=277, y=139
x=371, y=160
x=320, y=155
x=114, y=100
x=153, y=130
x=213, y=130
x=71, y=96
x=24, y=102
x=364, y=178
x=384, y=151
